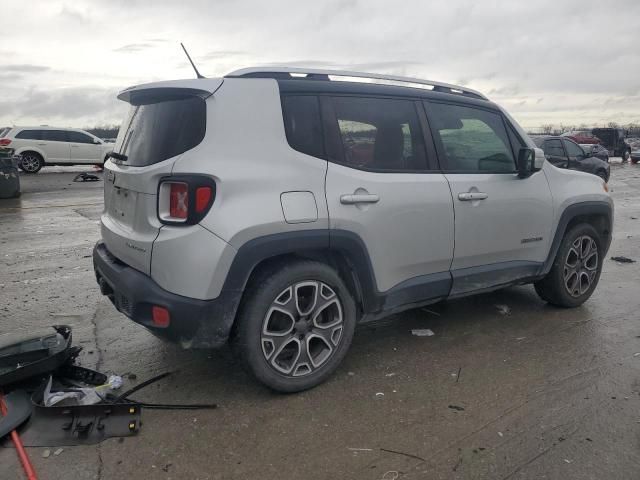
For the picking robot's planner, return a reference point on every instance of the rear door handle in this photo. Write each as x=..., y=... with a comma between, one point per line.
x=470, y=196
x=355, y=198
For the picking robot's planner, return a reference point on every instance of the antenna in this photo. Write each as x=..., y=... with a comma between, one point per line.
x=198, y=74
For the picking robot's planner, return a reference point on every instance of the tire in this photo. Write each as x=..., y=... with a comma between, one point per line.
x=272, y=344
x=634, y=160
x=31, y=162
x=576, y=250
x=626, y=155
x=603, y=174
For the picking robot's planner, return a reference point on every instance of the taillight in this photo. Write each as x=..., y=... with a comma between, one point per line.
x=178, y=200
x=203, y=197
x=4, y=142
x=185, y=199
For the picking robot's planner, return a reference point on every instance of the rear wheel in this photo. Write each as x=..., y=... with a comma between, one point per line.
x=576, y=269
x=295, y=326
x=31, y=162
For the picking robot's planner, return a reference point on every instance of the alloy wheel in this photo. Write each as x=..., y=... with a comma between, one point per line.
x=30, y=163
x=302, y=328
x=581, y=265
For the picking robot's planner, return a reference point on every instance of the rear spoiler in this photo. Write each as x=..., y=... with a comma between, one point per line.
x=162, y=91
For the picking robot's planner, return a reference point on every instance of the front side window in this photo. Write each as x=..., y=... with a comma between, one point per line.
x=78, y=137
x=30, y=134
x=302, y=124
x=471, y=139
x=55, y=135
x=378, y=134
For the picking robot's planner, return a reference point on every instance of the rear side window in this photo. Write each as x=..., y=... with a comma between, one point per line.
x=471, y=139
x=157, y=131
x=378, y=134
x=55, y=135
x=30, y=134
x=302, y=124
x=78, y=137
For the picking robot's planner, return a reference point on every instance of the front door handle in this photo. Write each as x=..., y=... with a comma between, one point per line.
x=355, y=198
x=470, y=196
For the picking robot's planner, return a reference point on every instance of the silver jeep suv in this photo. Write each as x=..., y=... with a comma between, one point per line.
x=277, y=208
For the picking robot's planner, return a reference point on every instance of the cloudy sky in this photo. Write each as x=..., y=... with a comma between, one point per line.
x=547, y=61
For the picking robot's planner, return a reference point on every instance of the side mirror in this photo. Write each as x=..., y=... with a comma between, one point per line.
x=97, y=142
x=526, y=162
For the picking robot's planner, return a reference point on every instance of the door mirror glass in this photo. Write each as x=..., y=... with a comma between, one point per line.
x=526, y=162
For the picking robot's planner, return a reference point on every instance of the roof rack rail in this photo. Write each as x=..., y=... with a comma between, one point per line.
x=320, y=74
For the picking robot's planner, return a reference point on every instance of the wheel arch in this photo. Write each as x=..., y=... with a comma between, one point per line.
x=23, y=150
x=597, y=214
x=344, y=251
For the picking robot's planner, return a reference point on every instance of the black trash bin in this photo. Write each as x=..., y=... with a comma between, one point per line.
x=9, y=178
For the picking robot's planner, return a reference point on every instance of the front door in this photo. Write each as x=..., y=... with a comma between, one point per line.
x=502, y=222
x=381, y=186
x=83, y=148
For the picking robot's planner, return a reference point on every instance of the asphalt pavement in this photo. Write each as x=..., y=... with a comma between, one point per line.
x=528, y=391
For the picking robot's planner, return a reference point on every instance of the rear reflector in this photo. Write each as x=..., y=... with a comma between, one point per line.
x=160, y=316
x=203, y=196
x=179, y=201
x=4, y=142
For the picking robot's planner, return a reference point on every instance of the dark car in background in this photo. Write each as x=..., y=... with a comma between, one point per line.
x=565, y=153
x=597, y=151
x=613, y=139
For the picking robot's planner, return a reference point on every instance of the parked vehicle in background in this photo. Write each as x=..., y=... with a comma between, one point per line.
x=597, y=151
x=635, y=156
x=565, y=153
x=582, y=136
x=40, y=146
x=613, y=139
x=276, y=208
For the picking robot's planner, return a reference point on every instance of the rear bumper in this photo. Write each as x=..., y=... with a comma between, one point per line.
x=193, y=323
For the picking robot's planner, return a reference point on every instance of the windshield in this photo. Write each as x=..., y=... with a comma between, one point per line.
x=154, y=132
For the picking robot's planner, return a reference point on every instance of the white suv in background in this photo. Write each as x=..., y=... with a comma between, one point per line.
x=40, y=146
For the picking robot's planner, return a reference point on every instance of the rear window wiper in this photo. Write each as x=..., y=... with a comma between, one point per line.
x=118, y=156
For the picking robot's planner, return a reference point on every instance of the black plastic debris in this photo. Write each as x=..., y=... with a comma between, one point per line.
x=623, y=259
x=86, y=177
x=18, y=405
x=35, y=355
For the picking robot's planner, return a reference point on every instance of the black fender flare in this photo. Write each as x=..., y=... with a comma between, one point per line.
x=306, y=242
x=573, y=211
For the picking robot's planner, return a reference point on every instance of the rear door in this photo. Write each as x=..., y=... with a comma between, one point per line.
x=159, y=127
x=382, y=185
x=83, y=148
x=502, y=222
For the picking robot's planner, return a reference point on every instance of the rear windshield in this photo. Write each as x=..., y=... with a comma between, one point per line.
x=154, y=132
x=4, y=131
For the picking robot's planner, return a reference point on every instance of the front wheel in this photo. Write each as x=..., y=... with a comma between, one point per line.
x=626, y=155
x=576, y=269
x=295, y=326
x=603, y=175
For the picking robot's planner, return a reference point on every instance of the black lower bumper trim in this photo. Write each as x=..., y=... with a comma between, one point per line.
x=194, y=323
